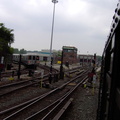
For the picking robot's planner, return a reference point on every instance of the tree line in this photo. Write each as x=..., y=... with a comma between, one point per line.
x=21, y=51
x=6, y=39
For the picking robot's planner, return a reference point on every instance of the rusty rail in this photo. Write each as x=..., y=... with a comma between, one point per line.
x=38, y=99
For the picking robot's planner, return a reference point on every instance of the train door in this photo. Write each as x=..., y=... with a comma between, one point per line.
x=37, y=59
x=29, y=59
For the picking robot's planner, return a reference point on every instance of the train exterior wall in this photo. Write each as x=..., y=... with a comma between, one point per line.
x=109, y=93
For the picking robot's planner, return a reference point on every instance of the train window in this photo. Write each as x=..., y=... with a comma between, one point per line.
x=81, y=60
x=89, y=60
x=29, y=57
x=113, y=41
x=37, y=57
x=108, y=57
x=81, y=56
x=44, y=58
x=33, y=57
x=85, y=60
x=111, y=63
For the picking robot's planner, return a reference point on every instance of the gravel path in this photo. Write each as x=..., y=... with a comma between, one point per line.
x=84, y=105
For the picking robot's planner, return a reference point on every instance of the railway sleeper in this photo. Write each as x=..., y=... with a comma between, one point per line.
x=62, y=111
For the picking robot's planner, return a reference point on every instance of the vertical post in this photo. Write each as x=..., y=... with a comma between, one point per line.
x=83, y=61
x=0, y=68
x=87, y=58
x=52, y=32
x=0, y=75
x=61, y=67
x=1, y=65
x=19, y=67
x=42, y=74
x=50, y=77
x=94, y=61
x=95, y=57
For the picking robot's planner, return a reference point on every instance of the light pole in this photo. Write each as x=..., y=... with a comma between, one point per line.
x=54, y=1
x=87, y=59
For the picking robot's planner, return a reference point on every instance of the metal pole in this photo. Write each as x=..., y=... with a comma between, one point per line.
x=61, y=68
x=0, y=75
x=54, y=1
x=87, y=59
x=19, y=67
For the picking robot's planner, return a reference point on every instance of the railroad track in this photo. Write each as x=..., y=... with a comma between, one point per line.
x=57, y=108
x=43, y=101
x=47, y=68
x=14, y=87
x=23, y=71
x=8, y=74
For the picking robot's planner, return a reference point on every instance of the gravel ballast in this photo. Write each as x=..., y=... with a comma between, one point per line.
x=84, y=105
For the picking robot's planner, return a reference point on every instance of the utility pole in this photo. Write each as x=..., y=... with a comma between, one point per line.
x=51, y=59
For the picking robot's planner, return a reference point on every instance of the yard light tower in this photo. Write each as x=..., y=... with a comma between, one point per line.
x=54, y=1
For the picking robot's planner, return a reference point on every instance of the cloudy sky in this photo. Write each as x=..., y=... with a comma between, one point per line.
x=84, y=24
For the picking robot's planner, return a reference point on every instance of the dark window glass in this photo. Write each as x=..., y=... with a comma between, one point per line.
x=44, y=58
x=33, y=57
x=29, y=57
x=37, y=57
x=81, y=60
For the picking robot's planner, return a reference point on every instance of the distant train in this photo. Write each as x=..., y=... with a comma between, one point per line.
x=30, y=58
x=109, y=92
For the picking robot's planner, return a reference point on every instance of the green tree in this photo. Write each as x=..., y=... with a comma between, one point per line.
x=22, y=51
x=6, y=38
x=59, y=53
x=16, y=51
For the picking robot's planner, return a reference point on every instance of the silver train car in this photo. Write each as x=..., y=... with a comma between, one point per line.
x=31, y=58
x=28, y=59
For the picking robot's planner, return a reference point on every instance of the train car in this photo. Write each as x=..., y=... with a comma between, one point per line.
x=16, y=57
x=27, y=59
x=31, y=59
x=109, y=92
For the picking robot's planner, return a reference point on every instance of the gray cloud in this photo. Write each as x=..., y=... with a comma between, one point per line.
x=83, y=24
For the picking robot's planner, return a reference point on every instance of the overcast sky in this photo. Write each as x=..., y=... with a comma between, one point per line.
x=84, y=24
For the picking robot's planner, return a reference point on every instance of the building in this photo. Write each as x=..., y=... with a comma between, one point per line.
x=69, y=54
x=85, y=59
